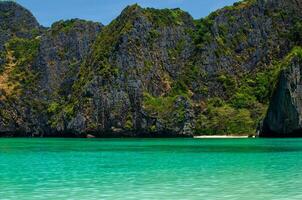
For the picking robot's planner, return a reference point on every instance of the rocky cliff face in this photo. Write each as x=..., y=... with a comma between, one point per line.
x=62, y=49
x=136, y=57
x=40, y=67
x=15, y=21
x=148, y=73
x=244, y=38
x=284, y=114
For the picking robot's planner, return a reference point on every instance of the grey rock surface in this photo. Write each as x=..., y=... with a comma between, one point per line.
x=284, y=117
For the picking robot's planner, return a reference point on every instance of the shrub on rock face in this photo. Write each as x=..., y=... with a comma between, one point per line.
x=20, y=55
x=224, y=119
x=296, y=33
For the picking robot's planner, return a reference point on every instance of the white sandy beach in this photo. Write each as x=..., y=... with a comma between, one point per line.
x=220, y=137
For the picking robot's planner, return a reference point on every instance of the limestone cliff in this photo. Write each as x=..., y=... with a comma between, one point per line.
x=284, y=117
x=15, y=21
x=40, y=67
x=149, y=72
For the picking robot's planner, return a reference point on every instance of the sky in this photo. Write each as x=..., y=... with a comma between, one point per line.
x=104, y=11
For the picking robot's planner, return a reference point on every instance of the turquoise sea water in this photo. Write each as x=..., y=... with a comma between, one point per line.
x=86, y=169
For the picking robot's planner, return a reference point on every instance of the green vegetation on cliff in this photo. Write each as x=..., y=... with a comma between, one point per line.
x=20, y=55
x=224, y=119
x=154, y=71
x=165, y=17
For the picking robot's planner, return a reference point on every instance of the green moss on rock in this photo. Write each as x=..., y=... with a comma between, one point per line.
x=24, y=53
